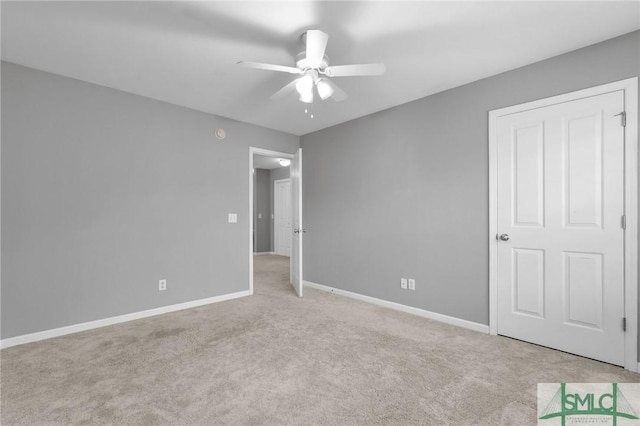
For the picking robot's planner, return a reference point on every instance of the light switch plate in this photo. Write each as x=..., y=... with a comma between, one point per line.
x=403, y=283
x=412, y=284
x=233, y=218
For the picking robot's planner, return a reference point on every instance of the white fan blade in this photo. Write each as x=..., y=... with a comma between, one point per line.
x=284, y=91
x=316, y=45
x=355, y=70
x=338, y=94
x=270, y=67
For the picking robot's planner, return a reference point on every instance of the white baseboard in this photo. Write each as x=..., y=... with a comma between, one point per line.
x=56, y=332
x=262, y=253
x=404, y=308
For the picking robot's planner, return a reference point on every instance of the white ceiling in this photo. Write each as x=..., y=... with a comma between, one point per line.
x=185, y=52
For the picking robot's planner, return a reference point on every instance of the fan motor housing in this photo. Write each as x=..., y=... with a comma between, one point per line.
x=301, y=61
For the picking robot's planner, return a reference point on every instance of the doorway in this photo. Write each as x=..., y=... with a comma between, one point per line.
x=272, y=207
x=563, y=197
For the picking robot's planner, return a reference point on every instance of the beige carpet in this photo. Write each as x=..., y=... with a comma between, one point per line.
x=275, y=359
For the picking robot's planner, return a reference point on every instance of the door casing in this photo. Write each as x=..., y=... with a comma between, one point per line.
x=630, y=88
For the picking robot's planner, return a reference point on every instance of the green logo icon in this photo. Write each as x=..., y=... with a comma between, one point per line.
x=565, y=404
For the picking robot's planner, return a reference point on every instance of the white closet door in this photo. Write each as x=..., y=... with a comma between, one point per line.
x=560, y=200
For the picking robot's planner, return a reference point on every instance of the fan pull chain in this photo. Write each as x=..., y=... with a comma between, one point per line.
x=309, y=110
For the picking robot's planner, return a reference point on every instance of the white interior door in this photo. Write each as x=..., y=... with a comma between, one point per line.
x=282, y=209
x=296, y=222
x=560, y=200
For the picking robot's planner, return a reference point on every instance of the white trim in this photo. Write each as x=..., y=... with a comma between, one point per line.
x=630, y=87
x=263, y=253
x=63, y=331
x=631, y=213
x=493, y=224
x=403, y=308
x=268, y=153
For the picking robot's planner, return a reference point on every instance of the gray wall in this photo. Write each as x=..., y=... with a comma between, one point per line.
x=262, y=207
x=404, y=192
x=276, y=174
x=104, y=193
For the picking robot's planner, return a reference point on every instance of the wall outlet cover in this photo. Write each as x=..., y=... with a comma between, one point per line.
x=403, y=283
x=162, y=285
x=233, y=218
x=412, y=284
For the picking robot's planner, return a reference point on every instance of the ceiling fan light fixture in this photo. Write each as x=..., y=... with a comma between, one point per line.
x=307, y=98
x=313, y=69
x=304, y=85
x=324, y=89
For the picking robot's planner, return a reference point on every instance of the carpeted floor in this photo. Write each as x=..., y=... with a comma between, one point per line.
x=275, y=359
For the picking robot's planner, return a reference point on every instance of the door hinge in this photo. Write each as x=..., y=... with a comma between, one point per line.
x=623, y=221
x=623, y=118
x=624, y=324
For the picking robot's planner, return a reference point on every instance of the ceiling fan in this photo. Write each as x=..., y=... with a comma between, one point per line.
x=313, y=66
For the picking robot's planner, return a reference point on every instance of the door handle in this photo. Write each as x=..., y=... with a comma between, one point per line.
x=504, y=237
x=299, y=231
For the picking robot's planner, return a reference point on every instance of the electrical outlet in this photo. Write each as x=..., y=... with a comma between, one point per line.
x=162, y=285
x=403, y=283
x=412, y=284
x=233, y=218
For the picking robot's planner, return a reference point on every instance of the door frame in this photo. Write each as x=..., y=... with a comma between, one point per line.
x=267, y=153
x=276, y=234
x=630, y=88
